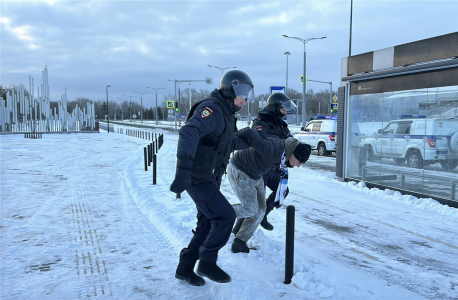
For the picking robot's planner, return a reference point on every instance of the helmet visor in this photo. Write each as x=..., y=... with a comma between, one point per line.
x=289, y=106
x=243, y=90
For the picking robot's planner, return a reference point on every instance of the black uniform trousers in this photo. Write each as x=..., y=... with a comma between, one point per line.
x=271, y=180
x=215, y=218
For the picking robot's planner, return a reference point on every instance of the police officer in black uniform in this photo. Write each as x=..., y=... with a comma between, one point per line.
x=204, y=147
x=270, y=123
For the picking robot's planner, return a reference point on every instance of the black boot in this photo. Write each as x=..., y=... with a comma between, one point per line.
x=186, y=273
x=239, y=246
x=210, y=270
x=264, y=223
x=237, y=226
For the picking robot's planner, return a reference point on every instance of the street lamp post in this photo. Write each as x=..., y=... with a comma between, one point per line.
x=207, y=80
x=141, y=104
x=287, y=54
x=304, y=112
x=156, y=99
x=122, y=110
x=108, y=116
x=222, y=69
x=130, y=107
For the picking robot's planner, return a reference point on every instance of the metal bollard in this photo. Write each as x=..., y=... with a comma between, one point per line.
x=289, y=249
x=145, y=158
x=154, y=169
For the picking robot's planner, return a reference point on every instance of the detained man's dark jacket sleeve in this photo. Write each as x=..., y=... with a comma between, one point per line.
x=254, y=140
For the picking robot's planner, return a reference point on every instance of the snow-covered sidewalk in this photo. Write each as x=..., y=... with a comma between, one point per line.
x=80, y=218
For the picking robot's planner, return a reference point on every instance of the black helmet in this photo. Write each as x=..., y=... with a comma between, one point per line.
x=237, y=83
x=280, y=100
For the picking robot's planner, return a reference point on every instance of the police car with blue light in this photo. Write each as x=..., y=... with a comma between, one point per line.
x=320, y=134
x=417, y=140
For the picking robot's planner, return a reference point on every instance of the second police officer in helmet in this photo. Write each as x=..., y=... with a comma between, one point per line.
x=204, y=147
x=270, y=123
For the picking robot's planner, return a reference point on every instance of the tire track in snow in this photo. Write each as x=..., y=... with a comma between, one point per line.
x=151, y=209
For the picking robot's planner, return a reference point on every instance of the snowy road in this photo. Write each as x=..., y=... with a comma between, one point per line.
x=81, y=218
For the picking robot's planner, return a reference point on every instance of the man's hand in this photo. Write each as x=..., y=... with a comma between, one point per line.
x=182, y=181
x=182, y=176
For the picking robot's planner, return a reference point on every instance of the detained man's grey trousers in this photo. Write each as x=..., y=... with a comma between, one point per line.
x=252, y=196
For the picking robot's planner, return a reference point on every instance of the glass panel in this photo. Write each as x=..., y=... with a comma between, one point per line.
x=317, y=126
x=406, y=140
x=440, y=160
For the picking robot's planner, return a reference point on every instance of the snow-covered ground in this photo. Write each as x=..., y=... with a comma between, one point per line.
x=80, y=218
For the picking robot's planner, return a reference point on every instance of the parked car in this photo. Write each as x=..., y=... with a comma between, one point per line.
x=320, y=134
x=418, y=140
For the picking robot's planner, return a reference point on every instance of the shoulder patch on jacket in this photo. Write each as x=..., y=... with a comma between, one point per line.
x=258, y=128
x=206, y=112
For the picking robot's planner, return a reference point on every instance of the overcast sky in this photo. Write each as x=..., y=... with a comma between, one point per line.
x=132, y=45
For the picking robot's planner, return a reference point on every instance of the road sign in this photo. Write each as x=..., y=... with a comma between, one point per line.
x=302, y=79
x=334, y=105
x=170, y=104
x=277, y=89
x=134, y=116
x=334, y=98
x=170, y=111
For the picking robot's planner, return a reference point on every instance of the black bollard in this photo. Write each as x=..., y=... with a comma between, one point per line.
x=154, y=169
x=289, y=249
x=151, y=152
x=149, y=155
x=156, y=145
x=146, y=165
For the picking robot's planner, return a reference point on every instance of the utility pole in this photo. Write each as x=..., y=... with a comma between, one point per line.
x=141, y=104
x=130, y=107
x=208, y=80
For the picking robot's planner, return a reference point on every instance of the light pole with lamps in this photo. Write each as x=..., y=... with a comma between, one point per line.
x=130, y=107
x=141, y=104
x=208, y=80
x=304, y=112
x=108, y=116
x=330, y=93
x=156, y=99
x=222, y=69
x=122, y=110
x=287, y=54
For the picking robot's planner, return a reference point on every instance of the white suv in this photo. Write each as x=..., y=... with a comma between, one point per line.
x=417, y=140
x=320, y=134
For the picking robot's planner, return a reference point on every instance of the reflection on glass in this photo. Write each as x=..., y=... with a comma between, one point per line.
x=405, y=139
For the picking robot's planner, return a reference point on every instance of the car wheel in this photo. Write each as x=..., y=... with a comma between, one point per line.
x=449, y=165
x=414, y=159
x=322, y=149
x=370, y=154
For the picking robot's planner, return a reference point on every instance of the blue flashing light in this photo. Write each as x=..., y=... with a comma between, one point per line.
x=421, y=116
x=403, y=116
x=320, y=117
x=334, y=118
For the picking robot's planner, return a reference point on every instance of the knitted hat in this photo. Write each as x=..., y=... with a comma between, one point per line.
x=290, y=144
x=302, y=152
x=291, y=147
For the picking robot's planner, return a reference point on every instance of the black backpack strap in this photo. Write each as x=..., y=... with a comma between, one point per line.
x=193, y=108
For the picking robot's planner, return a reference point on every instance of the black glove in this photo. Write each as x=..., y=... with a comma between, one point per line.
x=182, y=176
